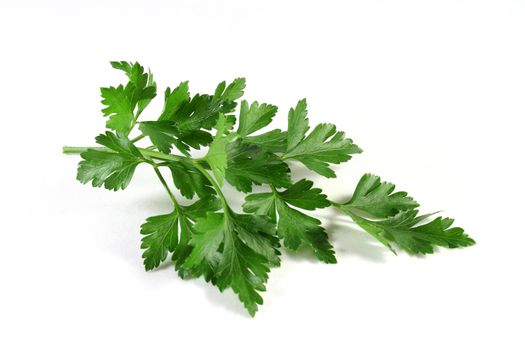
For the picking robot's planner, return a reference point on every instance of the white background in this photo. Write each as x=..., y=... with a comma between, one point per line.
x=433, y=91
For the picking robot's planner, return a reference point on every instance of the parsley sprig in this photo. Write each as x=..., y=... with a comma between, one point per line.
x=207, y=237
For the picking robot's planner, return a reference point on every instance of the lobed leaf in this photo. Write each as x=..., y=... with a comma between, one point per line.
x=249, y=165
x=322, y=147
x=113, y=168
x=239, y=249
x=160, y=237
x=405, y=230
x=189, y=180
x=294, y=227
x=125, y=103
x=254, y=117
x=397, y=221
x=378, y=198
x=272, y=141
x=171, y=233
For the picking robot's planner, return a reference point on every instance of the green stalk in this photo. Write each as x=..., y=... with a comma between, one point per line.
x=78, y=150
x=216, y=186
x=161, y=178
x=151, y=154
x=160, y=155
x=148, y=154
x=140, y=137
x=135, y=119
x=164, y=183
x=360, y=222
x=145, y=152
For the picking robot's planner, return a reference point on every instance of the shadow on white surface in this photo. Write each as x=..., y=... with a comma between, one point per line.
x=124, y=239
x=226, y=299
x=349, y=241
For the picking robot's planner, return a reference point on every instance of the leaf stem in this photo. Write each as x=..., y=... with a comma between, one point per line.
x=160, y=155
x=77, y=150
x=335, y=204
x=134, y=121
x=147, y=153
x=215, y=185
x=138, y=138
x=274, y=191
x=360, y=222
x=161, y=178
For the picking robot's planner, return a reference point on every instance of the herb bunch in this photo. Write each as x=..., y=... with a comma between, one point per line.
x=207, y=238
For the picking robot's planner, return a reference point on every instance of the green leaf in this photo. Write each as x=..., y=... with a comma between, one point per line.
x=201, y=207
x=161, y=133
x=187, y=222
x=405, y=230
x=378, y=198
x=207, y=240
x=249, y=164
x=242, y=270
x=202, y=111
x=272, y=141
x=165, y=133
x=189, y=180
x=189, y=117
x=233, y=91
x=397, y=221
x=264, y=242
x=302, y=195
x=119, y=108
x=227, y=95
x=160, y=237
x=369, y=227
x=322, y=146
x=121, y=101
x=237, y=248
x=197, y=113
x=297, y=228
x=113, y=168
x=141, y=86
x=122, y=65
x=261, y=204
x=217, y=157
x=174, y=100
x=183, y=121
x=118, y=143
x=254, y=117
x=294, y=227
x=297, y=124
x=172, y=233
x=146, y=94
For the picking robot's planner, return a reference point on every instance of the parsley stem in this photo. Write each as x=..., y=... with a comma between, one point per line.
x=160, y=155
x=274, y=190
x=140, y=137
x=161, y=178
x=76, y=150
x=335, y=204
x=215, y=185
x=145, y=152
x=163, y=181
x=134, y=121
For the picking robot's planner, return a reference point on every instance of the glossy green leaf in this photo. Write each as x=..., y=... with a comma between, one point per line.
x=113, y=167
